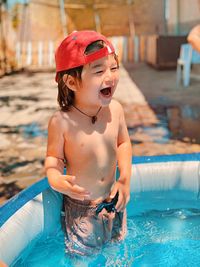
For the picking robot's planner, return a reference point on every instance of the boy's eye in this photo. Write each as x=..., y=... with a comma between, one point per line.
x=115, y=68
x=112, y=69
x=98, y=72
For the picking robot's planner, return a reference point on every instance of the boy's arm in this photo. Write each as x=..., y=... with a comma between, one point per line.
x=54, y=163
x=124, y=151
x=124, y=158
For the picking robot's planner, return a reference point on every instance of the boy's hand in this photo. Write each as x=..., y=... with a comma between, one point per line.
x=124, y=194
x=72, y=189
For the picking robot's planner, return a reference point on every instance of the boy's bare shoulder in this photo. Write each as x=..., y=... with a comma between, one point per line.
x=115, y=106
x=58, y=119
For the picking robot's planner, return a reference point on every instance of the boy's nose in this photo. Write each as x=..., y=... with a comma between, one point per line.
x=109, y=79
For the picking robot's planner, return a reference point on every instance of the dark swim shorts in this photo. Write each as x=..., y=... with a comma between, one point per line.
x=89, y=226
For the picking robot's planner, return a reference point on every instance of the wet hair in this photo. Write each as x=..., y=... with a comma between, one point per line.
x=66, y=96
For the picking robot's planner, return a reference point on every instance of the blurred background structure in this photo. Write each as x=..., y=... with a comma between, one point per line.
x=141, y=30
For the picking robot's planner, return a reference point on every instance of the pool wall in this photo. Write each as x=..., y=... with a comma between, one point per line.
x=36, y=210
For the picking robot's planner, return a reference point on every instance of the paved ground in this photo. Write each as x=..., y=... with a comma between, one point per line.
x=28, y=99
x=179, y=105
x=159, y=87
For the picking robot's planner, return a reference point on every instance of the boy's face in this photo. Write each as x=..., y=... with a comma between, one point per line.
x=99, y=81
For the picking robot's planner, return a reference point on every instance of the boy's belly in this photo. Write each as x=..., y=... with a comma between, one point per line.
x=97, y=180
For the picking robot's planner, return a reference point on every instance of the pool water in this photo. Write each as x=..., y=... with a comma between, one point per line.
x=163, y=230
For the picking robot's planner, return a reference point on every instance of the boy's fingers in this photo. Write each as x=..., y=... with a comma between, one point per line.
x=120, y=202
x=113, y=192
x=79, y=190
x=74, y=188
x=69, y=178
x=120, y=208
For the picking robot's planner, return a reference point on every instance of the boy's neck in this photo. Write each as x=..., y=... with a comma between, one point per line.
x=89, y=110
x=93, y=117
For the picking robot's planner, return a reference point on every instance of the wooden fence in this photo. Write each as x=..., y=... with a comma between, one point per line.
x=35, y=54
x=40, y=55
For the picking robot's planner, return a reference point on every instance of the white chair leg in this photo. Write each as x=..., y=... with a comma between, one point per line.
x=186, y=75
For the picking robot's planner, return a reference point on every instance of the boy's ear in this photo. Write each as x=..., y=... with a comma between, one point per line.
x=70, y=82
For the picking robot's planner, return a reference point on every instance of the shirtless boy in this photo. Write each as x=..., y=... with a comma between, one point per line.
x=90, y=136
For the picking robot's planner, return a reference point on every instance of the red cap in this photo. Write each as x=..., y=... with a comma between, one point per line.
x=71, y=52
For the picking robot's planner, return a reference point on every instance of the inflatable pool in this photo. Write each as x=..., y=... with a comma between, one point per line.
x=164, y=196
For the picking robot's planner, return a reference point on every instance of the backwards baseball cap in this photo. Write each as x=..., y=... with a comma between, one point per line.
x=71, y=52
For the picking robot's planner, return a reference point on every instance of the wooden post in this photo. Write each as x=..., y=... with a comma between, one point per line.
x=97, y=20
x=18, y=54
x=51, y=53
x=132, y=32
x=63, y=17
x=3, y=61
x=120, y=48
x=142, y=47
x=114, y=41
x=136, y=48
x=130, y=48
x=29, y=54
x=40, y=55
x=125, y=49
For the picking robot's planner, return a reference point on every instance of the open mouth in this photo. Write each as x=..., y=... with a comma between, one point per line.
x=106, y=92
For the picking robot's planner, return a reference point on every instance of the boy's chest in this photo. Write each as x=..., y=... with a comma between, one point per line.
x=89, y=141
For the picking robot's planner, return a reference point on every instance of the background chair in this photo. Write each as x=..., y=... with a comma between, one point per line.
x=188, y=56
